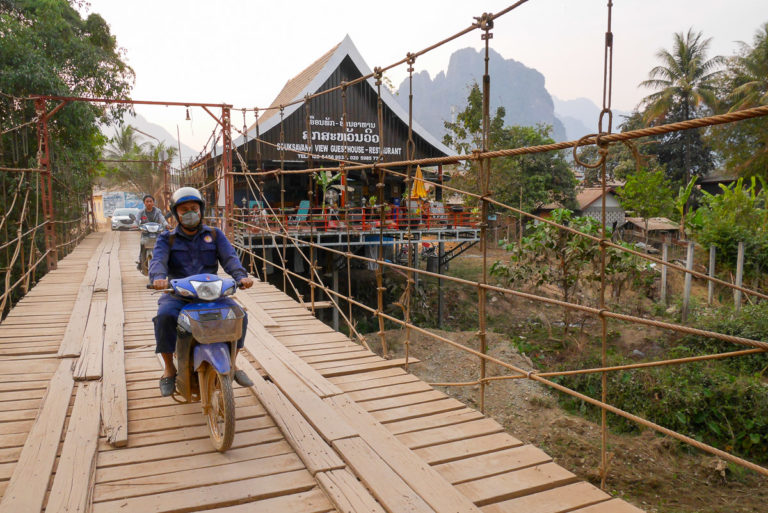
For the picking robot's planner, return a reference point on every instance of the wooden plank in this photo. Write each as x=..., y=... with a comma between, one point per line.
x=114, y=403
x=417, y=410
x=441, y=435
x=218, y=495
x=432, y=421
x=89, y=365
x=492, y=463
x=259, y=452
x=71, y=342
x=365, y=367
x=316, y=454
x=337, y=356
x=385, y=484
x=402, y=400
x=303, y=340
x=397, y=379
x=516, y=484
x=102, y=275
x=312, y=501
x=565, y=498
x=185, y=479
x=255, y=312
x=347, y=493
x=430, y=485
x=73, y=483
x=412, y=387
x=182, y=448
x=259, y=339
x=365, y=376
x=245, y=429
x=29, y=482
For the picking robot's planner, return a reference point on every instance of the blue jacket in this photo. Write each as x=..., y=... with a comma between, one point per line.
x=196, y=254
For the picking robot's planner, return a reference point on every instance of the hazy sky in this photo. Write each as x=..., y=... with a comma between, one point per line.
x=243, y=52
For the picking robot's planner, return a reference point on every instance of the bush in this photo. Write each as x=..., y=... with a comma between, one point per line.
x=705, y=401
x=750, y=322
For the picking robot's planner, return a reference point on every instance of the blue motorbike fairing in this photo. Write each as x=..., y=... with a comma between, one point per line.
x=190, y=292
x=194, y=309
x=216, y=354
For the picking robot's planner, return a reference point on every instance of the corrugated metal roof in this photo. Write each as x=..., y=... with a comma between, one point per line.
x=296, y=85
x=654, y=223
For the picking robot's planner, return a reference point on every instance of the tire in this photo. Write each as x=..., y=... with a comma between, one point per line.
x=145, y=263
x=221, y=412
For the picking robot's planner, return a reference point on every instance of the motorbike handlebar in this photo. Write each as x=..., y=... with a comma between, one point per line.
x=151, y=287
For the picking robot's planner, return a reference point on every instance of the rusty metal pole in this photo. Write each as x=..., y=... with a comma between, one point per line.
x=607, y=85
x=486, y=23
x=226, y=162
x=44, y=162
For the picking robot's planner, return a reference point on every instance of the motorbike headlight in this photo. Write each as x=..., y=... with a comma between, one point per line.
x=207, y=290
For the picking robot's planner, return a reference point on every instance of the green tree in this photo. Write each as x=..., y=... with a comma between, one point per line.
x=744, y=145
x=142, y=172
x=47, y=48
x=647, y=194
x=548, y=254
x=527, y=179
x=685, y=88
x=739, y=214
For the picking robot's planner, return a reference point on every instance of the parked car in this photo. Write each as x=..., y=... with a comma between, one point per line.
x=121, y=219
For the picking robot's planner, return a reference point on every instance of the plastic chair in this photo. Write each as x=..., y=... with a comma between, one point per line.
x=301, y=213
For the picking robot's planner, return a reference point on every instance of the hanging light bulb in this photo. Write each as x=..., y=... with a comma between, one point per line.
x=188, y=118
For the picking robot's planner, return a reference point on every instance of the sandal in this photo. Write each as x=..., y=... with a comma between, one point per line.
x=167, y=386
x=242, y=379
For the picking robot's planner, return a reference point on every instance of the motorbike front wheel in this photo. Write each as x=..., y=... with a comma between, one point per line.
x=145, y=263
x=221, y=408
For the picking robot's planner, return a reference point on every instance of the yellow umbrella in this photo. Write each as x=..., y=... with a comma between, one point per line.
x=418, y=190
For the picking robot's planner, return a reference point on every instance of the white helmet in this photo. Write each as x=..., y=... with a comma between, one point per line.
x=183, y=195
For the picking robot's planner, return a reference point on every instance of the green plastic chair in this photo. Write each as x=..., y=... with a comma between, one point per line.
x=301, y=213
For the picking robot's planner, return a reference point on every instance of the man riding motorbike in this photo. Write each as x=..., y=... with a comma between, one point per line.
x=149, y=214
x=191, y=248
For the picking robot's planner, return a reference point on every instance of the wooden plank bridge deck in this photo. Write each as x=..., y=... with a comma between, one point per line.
x=335, y=428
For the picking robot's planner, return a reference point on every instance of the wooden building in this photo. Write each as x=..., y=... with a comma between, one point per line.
x=294, y=131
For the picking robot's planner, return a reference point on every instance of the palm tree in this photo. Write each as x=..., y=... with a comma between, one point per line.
x=745, y=144
x=750, y=78
x=683, y=81
x=124, y=143
x=139, y=177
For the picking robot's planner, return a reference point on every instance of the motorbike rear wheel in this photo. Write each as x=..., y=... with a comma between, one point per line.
x=221, y=410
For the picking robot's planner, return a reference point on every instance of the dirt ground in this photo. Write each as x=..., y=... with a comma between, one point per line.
x=655, y=473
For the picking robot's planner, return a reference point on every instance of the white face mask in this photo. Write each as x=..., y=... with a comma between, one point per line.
x=190, y=219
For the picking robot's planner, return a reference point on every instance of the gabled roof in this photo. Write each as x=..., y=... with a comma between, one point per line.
x=315, y=75
x=589, y=195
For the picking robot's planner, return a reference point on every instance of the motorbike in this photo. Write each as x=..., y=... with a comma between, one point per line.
x=149, y=233
x=207, y=333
